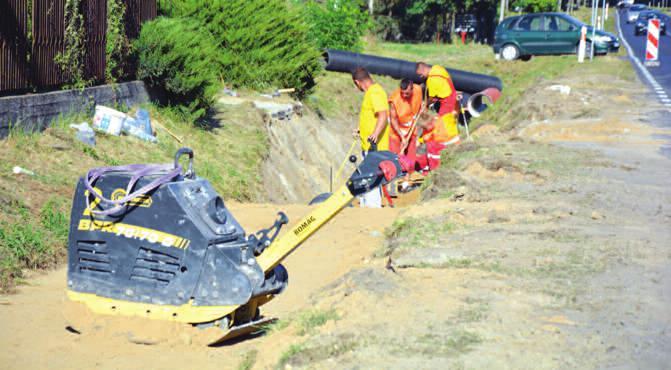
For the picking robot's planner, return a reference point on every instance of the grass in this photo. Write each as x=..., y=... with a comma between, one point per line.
x=305, y=322
x=293, y=351
x=248, y=360
x=30, y=242
x=308, y=321
x=308, y=352
x=410, y=232
x=457, y=342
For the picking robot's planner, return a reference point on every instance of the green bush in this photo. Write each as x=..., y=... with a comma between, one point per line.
x=178, y=57
x=535, y=6
x=337, y=24
x=262, y=43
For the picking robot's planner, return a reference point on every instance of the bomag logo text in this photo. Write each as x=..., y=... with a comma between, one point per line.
x=135, y=232
x=139, y=201
x=304, y=225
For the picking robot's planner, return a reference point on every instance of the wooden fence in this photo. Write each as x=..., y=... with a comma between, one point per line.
x=30, y=42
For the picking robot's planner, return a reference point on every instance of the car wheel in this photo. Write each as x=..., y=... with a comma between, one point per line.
x=510, y=52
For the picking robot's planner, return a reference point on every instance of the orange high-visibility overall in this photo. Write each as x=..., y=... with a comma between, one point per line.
x=406, y=112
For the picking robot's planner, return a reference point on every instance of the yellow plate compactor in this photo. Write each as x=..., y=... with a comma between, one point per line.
x=157, y=242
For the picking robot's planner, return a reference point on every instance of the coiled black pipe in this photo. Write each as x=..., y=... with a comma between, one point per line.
x=345, y=61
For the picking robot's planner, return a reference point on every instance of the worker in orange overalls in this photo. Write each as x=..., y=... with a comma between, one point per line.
x=405, y=104
x=443, y=96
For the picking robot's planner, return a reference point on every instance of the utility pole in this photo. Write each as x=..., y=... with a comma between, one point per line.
x=502, y=6
x=595, y=7
x=370, y=6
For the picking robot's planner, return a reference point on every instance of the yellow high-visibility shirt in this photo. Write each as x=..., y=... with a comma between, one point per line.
x=374, y=101
x=437, y=83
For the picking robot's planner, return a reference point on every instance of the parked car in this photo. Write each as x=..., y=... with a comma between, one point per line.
x=633, y=11
x=641, y=27
x=547, y=33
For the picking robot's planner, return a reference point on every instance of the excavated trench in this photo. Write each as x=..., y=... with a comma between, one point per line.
x=305, y=155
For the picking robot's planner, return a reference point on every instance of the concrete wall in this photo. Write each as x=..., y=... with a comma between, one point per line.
x=32, y=112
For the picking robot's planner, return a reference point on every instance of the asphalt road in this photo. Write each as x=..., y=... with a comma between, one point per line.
x=658, y=78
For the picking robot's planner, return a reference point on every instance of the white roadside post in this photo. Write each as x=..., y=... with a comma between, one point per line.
x=652, y=46
x=582, y=44
x=606, y=15
x=598, y=21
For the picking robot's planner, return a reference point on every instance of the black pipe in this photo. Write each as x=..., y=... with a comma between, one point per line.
x=345, y=61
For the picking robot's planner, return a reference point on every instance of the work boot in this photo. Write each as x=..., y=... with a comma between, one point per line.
x=392, y=189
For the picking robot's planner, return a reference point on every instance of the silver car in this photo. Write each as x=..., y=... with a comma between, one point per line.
x=633, y=11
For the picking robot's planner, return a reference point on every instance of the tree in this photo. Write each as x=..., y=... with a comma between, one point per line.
x=534, y=6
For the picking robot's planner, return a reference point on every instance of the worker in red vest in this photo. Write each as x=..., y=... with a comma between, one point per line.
x=443, y=96
x=436, y=138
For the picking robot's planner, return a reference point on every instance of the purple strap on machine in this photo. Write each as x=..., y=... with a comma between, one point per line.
x=138, y=171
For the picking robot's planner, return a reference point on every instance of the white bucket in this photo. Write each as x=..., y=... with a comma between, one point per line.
x=108, y=120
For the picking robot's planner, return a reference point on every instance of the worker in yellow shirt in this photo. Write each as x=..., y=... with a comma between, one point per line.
x=373, y=126
x=443, y=95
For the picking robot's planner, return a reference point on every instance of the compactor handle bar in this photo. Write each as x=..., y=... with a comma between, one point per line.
x=190, y=173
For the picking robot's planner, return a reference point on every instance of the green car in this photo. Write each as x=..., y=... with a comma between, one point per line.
x=545, y=34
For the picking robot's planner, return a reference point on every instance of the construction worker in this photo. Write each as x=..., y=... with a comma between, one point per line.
x=373, y=127
x=434, y=136
x=443, y=96
x=405, y=104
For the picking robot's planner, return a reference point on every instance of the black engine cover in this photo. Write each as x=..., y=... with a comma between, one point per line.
x=175, y=244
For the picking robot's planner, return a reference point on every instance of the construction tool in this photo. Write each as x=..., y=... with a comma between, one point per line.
x=277, y=93
x=157, y=242
x=179, y=139
x=413, y=127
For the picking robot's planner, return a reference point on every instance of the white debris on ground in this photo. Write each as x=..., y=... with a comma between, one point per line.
x=562, y=89
x=113, y=122
x=279, y=111
x=20, y=170
x=85, y=133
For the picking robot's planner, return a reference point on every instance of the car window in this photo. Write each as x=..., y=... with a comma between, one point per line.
x=644, y=16
x=511, y=23
x=507, y=23
x=558, y=24
x=530, y=23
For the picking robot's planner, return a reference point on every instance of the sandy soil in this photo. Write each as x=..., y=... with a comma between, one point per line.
x=34, y=335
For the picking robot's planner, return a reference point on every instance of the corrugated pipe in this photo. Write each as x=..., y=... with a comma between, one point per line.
x=345, y=61
x=477, y=103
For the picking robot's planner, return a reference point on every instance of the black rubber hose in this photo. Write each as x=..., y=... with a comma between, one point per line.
x=345, y=61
